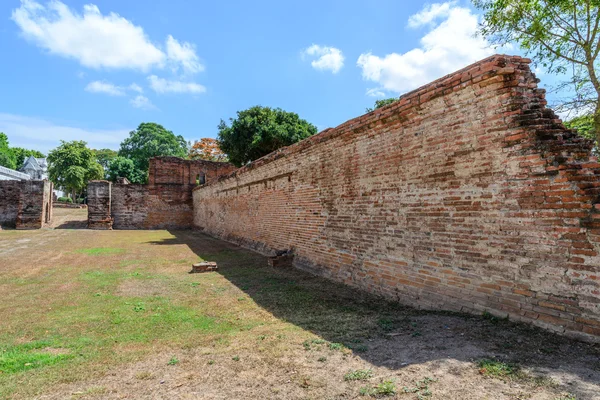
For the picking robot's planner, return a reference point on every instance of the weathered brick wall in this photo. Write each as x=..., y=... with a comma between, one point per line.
x=99, y=199
x=467, y=194
x=25, y=204
x=166, y=201
x=10, y=192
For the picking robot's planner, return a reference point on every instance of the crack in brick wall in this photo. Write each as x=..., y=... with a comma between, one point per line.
x=467, y=194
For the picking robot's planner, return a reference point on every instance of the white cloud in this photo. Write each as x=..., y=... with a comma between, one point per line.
x=183, y=55
x=142, y=102
x=105, y=87
x=44, y=135
x=97, y=40
x=375, y=92
x=430, y=13
x=136, y=88
x=161, y=85
x=112, y=89
x=448, y=46
x=324, y=58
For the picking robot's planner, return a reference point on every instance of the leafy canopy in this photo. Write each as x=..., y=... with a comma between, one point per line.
x=381, y=103
x=104, y=157
x=151, y=140
x=206, y=149
x=7, y=156
x=259, y=131
x=561, y=35
x=121, y=167
x=72, y=165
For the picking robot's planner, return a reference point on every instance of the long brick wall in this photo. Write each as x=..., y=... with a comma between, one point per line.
x=467, y=194
x=25, y=204
x=164, y=203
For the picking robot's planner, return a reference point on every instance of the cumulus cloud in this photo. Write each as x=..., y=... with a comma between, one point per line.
x=142, y=102
x=96, y=40
x=161, y=85
x=324, y=58
x=449, y=44
x=44, y=135
x=430, y=13
x=111, y=89
x=183, y=55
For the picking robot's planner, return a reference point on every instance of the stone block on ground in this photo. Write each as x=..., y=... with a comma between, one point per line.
x=205, y=266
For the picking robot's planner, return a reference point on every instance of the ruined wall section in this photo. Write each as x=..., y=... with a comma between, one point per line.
x=25, y=204
x=166, y=201
x=466, y=194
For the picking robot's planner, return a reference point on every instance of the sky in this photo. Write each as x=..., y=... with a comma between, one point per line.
x=94, y=70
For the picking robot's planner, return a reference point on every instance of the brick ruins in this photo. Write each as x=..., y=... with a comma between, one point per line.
x=25, y=204
x=164, y=203
x=467, y=194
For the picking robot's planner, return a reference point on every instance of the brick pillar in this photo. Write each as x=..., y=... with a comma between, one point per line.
x=31, y=205
x=99, y=199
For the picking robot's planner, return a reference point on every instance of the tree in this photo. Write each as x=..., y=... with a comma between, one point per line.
x=584, y=125
x=206, y=149
x=381, y=103
x=121, y=167
x=561, y=35
x=7, y=157
x=72, y=165
x=104, y=157
x=151, y=140
x=22, y=154
x=258, y=131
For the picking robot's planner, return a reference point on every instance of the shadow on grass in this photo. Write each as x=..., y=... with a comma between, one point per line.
x=386, y=333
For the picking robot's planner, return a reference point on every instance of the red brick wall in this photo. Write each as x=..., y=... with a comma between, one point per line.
x=467, y=194
x=166, y=201
x=25, y=204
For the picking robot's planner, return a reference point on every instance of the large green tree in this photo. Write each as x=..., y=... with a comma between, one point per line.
x=22, y=154
x=561, y=35
x=104, y=157
x=121, y=167
x=72, y=165
x=7, y=156
x=258, y=131
x=151, y=140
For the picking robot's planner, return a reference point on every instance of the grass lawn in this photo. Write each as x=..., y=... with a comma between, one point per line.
x=115, y=314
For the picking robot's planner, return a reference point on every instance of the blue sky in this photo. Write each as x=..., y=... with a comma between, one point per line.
x=94, y=69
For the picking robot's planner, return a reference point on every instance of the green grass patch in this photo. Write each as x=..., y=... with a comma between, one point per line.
x=385, y=388
x=358, y=375
x=101, y=251
x=498, y=369
x=28, y=356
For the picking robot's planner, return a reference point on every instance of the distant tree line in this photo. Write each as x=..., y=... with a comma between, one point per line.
x=14, y=157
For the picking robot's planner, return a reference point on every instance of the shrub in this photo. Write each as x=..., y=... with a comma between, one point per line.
x=64, y=200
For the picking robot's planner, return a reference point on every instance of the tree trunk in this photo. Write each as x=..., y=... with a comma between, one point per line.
x=597, y=123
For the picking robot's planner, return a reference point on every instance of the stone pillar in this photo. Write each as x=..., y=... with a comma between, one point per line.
x=99, y=199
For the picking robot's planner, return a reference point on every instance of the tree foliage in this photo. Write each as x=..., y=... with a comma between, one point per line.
x=259, y=131
x=72, y=165
x=121, y=167
x=104, y=157
x=584, y=125
x=381, y=103
x=7, y=156
x=22, y=154
x=151, y=140
x=561, y=35
x=206, y=149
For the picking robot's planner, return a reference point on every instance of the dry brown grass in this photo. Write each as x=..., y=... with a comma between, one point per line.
x=103, y=314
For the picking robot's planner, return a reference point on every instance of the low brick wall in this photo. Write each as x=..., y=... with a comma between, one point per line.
x=164, y=203
x=25, y=204
x=467, y=194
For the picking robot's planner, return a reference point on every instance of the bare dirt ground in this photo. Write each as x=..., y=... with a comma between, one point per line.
x=115, y=315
